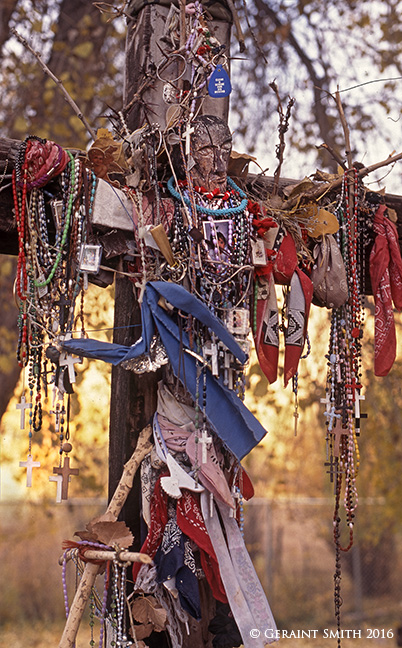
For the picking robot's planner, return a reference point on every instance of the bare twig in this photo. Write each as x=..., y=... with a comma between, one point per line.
x=333, y=154
x=282, y=129
x=351, y=171
x=45, y=68
x=239, y=31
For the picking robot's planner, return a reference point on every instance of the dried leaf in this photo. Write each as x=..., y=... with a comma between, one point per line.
x=107, y=530
x=114, y=533
x=392, y=215
x=319, y=221
x=239, y=163
x=146, y=609
x=158, y=616
x=296, y=189
x=144, y=630
x=140, y=609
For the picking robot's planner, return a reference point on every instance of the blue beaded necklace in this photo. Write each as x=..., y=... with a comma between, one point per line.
x=206, y=210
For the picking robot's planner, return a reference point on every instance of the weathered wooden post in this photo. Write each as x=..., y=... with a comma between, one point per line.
x=133, y=397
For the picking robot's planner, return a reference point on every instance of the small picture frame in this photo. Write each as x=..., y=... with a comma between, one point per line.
x=217, y=236
x=258, y=254
x=90, y=258
x=57, y=212
x=238, y=321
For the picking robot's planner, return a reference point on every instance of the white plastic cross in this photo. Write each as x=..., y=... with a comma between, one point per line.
x=29, y=464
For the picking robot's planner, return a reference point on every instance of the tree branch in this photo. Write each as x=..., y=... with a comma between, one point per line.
x=45, y=68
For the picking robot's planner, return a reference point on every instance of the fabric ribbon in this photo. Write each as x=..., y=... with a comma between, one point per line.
x=243, y=589
x=234, y=424
x=386, y=281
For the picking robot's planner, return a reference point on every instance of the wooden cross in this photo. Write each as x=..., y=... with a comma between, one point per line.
x=65, y=472
x=59, y=481
x=187, y=133
x=296, y=416
x=333, y=467
x=205, y=441
x=210, y=350
x=67, y=360
x=29, y=464
x=338, y=434
x=56, y=413
x=23, y=405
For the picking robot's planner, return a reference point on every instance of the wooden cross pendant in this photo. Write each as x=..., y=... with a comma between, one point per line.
x=65, y=472
x=29, y=464
x=23, y=405
x=333, y=467
x=338, y=433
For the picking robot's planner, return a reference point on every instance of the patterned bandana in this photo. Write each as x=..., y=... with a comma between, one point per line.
x=386, y=281
x=191, y=523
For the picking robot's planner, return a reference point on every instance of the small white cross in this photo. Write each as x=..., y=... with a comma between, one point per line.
x=211, y=351
x=29, y=464
x=358, y=398
x=205, y=441
x=59, y=481
x=229, y=371
x=327, y=401
x=67, y=360
x=187, y=133
x=23, y=405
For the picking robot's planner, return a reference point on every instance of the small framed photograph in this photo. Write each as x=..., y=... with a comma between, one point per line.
x=90, y=258
x=217, y=237
x=237, y=321
x=258, y=254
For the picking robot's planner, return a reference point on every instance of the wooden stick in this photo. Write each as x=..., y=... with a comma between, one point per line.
x=350, y=171
x=44, y=67
x=324, y=188
x=109, y=554
x=87, y=581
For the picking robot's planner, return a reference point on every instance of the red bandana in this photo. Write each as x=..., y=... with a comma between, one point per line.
x=386, y=281
x=191, y=522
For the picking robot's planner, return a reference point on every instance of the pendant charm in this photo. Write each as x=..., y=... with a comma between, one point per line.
x=90, y=258
x=219, y=83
